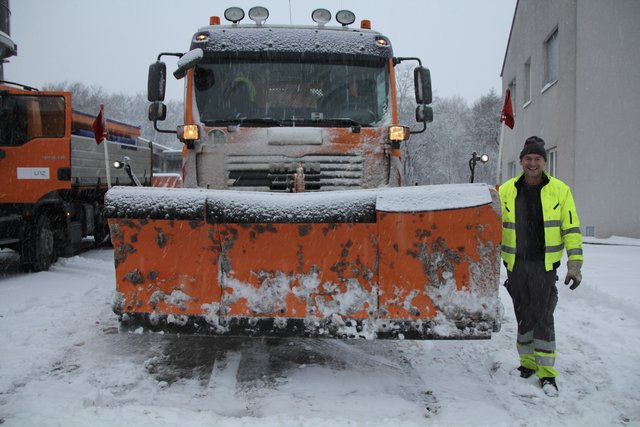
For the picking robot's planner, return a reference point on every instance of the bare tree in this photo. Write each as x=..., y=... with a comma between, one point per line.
x=438, y=156
x=130, y=109
x=484, y=131
x=441, y=155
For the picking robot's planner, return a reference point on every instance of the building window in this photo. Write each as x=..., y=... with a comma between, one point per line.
x=512, y=89
x=551, y=57
x=527, y=82
x=552, y=161
x=512, y=169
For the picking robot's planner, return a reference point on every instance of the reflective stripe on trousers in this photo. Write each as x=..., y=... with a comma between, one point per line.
x=534, y=294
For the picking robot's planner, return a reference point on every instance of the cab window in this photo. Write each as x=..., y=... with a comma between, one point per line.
x=25, y=117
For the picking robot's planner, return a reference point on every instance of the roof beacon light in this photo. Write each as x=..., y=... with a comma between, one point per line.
x=234, y=14
x=214, y=20
x=345, y=17
x=258, y=14
x=321, y=16
x=365, y=24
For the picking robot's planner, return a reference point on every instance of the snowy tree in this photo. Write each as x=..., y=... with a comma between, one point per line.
x=448, y=142
x=484, y=132
x=130, y=109
x=441, y=154
x=405, y=95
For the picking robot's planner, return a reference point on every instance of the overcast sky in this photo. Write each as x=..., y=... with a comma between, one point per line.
x=110, y=43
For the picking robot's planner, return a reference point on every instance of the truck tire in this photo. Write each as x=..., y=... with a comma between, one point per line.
x=38, y=251
x=61, y=240
x=101, y=236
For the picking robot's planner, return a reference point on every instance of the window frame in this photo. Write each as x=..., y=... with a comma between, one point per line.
x=552, y=161
x=551, y=59
x=527, y=82
x=512, y=88
x=512, y=169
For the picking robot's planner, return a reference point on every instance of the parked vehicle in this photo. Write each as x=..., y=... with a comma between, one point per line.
x=53, y=174
x=275, y=116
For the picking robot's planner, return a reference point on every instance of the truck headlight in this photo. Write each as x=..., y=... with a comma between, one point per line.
x=188, y=133
x=398, y=133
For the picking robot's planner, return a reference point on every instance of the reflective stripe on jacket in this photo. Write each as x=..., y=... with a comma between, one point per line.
x=561, y=222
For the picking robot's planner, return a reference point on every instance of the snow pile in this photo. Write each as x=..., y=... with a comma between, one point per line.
x=177, y=298
x=250, y=207
x=155, y=203
x=252, y=39
x=268, y=298
x=433, y=198
x=65, y=363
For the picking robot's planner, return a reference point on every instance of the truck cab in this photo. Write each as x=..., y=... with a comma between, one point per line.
x=266, y=104
x=53, y=175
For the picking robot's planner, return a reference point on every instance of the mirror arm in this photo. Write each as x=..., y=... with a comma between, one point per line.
x=399, y=59
x=424, y=127
x=155, y=126
x=179, y=55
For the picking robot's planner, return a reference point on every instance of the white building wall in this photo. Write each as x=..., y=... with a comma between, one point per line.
x=534, y=22
x=607, y=172
x=589, y=114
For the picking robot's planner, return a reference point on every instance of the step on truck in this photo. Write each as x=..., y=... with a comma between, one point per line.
x=294, y=219
x=53, y=176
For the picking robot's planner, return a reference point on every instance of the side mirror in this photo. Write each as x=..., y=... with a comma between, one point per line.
x=424, y=114
x=188, y=61
x=157, y=81
x=422, y=83
x=157, y=111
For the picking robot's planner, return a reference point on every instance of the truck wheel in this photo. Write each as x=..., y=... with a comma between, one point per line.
x=61, y=240
x=101, y=236
x=101, y=231
x=39, y=249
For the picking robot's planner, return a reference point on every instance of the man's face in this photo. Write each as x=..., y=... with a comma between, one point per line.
x=533, y=165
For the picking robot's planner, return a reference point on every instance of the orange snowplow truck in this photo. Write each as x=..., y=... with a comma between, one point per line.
x=275, y=117
x=53, y=176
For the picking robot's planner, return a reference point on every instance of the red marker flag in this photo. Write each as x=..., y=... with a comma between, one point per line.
x=506, y=116
x=99, y=126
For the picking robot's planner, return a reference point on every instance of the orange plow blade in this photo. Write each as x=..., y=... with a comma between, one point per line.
x=412, y=262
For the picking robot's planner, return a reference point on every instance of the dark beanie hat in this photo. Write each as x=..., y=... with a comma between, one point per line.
x=534, y=145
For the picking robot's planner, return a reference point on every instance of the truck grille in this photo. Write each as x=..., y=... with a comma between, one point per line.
x=275, y=172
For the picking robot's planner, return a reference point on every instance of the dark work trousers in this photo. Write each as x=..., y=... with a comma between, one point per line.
x=534, y=294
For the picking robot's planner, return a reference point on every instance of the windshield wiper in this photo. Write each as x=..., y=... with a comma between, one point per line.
x=268, y=121
x=321, y=122
x=342, y=121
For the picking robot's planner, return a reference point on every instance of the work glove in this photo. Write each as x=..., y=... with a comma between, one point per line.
x=573, y=273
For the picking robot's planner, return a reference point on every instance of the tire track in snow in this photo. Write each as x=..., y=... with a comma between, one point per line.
x=222, y=387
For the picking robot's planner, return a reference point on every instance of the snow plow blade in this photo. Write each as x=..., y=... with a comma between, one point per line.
x=410, y=262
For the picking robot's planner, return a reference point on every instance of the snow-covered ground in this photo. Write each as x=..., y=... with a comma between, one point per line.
x=65, y=363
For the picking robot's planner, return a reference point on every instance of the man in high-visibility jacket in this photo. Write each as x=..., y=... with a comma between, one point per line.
x=539, y=220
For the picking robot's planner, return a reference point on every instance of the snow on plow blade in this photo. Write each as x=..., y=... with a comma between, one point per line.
x=409, y=262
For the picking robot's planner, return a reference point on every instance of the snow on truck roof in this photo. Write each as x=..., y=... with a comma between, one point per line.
x=292, y=39
x=232, y=206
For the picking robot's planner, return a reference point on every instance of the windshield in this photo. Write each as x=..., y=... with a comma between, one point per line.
x=288, y=93
x=24, y=117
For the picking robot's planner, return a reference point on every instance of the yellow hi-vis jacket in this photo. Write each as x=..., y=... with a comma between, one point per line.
x=561, y=223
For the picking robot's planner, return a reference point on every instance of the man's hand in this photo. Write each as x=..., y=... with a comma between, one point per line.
x=573, y=274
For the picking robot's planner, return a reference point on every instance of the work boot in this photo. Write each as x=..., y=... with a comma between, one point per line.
x=525, y=372
x=549, y=386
